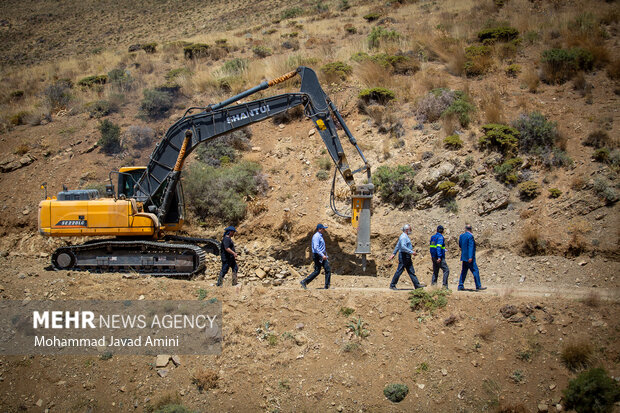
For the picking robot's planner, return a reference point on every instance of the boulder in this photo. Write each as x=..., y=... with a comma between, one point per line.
x=429, y=179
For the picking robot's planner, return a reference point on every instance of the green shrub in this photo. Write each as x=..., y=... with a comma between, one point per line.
x=379, y=34
x=156, y=103
x=592, y=391
x=360, y=57
x=422, y=300
x=337, y=70
x=601, y=155
x=453, y=142
x=292, y=13
x=90, y=82
x=346, y=311
x=448, y=188
x=557, y=158
x=100, y=108
x=465, y=179
x=221, y=192
x=536, y=133
x=196, y=51
x=451, y=206
x=501, y=33
x=58, y=94
x=604, y=190
x=469, y=161
x=322, y=175
x=513, y=70
x=398, y=63
x=262, y=51
x=499, y=137
x=378, y=95
x=371, y=17
x=149, y=47
x=120, y=80
x=529, y=190
x=140, y=136
x=110, y=141
x=554, y=193
x=477, y=60
x=176, y=73
x=350, y=29
x=506, y=172
x=395, y=185
x=461, y=107
x=560, y=65
x=325, y=163
x=225, y=148
x=396, y=392
x=235, y=66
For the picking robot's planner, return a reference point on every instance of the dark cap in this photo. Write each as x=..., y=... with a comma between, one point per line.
x=230, y=229
x=321, y=226
x=440, y=228
x=468, y=227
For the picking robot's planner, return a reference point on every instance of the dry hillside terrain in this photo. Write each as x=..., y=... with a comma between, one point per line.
x=502, y=114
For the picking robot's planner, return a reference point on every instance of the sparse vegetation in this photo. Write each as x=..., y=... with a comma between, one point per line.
x=378, y=95
x=336, y=70
x=140, y=137
x=346, y=311
x=453, y=142
x=100, y=108
x=156, y=103
x=221, y=192
x=532, y=242
x=106, y=355
x=422, y=300
x=93, y=81
x=536, y=133
x=205, y=379
x=110, y=141
x=554, y=193
x=576, y=355
x=195, y=51
x=478, y=60
x=395, y=185
x=499, y=33
x=379, y=35
x=396, y=392
x=599, y=139
x=506, y=172
x=292, y=12
x=499, y=137
x=201, y=293
x=605, y=190
x=529, y=190
x=358, y=328
x=58, y=94
x=517, y=376
x=322, y=175
x=513, y=70
x=262, y=51
x=592, y=391
x=560, y=65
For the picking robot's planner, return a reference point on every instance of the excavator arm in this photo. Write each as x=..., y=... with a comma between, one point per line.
x=157, y=186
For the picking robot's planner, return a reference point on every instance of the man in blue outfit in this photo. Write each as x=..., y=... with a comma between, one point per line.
x=468, y=257
x=438, y=256
x=319, y=256
x=405, y=251
x=229, y=256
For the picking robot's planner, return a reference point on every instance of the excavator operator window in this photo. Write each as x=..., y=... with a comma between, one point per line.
x=127, y=182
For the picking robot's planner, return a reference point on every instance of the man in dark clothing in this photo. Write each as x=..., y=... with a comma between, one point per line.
x=319, y=256
x=438, y=256
x=468, y=257
x=229, y=256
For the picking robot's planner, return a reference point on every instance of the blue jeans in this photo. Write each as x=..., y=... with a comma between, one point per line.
x=318, y=264
x=474, y=270
x=405, y=263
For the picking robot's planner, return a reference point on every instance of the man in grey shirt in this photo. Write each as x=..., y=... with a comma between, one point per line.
x=404, y=249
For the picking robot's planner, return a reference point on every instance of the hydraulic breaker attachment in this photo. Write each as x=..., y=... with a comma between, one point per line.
x=361, y=219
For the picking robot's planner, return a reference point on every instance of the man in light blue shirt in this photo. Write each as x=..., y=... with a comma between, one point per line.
x=404, y=249
x=319, y=255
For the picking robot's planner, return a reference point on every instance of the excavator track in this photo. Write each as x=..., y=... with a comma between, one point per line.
x=154, y=258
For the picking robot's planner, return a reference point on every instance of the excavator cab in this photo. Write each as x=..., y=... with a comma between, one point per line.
x=128, y=177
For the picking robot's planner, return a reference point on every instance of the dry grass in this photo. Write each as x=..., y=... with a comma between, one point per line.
x=530, y=79
x=372, y=74
x=577, y=182
x=431, y=78
x=531, y=241
x=577, y=354
x=492, y=107
x=450, y=123
x=578, y=244
x=205, y=379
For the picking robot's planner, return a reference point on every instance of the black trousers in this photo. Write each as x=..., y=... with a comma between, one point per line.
x=405, y=263
x=318, y=264
x=228, y=263
x=446, y=271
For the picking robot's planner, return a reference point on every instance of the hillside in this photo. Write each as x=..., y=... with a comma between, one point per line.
x=502, y=114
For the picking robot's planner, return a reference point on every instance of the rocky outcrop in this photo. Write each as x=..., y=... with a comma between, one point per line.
x=14, y=164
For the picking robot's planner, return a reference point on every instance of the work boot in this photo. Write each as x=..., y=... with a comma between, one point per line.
x=303, y=285
x=219, y=280
x=234, y=278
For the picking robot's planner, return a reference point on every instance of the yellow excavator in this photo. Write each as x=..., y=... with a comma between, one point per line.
x=140, y=219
